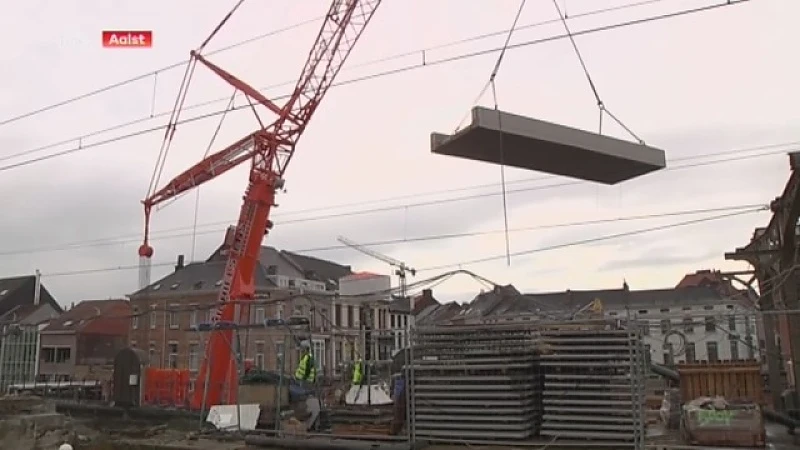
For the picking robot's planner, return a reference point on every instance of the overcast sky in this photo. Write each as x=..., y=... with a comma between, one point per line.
x=706, y=83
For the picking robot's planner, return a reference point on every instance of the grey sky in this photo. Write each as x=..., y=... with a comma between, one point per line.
x=711, y=82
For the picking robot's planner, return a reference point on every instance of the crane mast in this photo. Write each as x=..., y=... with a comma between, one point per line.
x=269, y=150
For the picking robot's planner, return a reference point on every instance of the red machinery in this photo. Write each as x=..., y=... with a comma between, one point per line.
x=269, y=149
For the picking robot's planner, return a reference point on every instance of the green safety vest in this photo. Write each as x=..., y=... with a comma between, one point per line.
x=358, y=373
x=306, y=369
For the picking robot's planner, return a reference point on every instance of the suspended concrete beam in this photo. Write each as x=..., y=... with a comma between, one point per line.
x=502, y=138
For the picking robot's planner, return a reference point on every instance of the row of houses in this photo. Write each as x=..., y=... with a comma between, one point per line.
x=702, y=318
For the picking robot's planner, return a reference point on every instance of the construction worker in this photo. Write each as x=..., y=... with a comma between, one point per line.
x=305, y=376
x=358, y=373
x=306, y=372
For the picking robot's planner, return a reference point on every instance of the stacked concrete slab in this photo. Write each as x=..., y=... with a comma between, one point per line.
x=578, y=383
x=594, y=386
x=476, y=383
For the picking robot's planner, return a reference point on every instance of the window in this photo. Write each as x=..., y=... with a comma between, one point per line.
x=646, y=328
x=351, y=320
x=279, y=315
x=261, y=315
x=62, y=355
x=337, y=315
x=711, y=324
x=135, y=319
x=688, y=325
x=751, y=351
x=193, y=316
x=153, y=317
x=172, y=316
x=324, y=319
x=748, y=325
x=732, y=323
x=279, y=349
x=734, y=350
x=669, y=354
x=393, y=320
x=151, y=352
x=319, y=353
x=664, y=310
x=690, y=352
x=260, y=355
x=665, y=326
x=172, y=358
x=194, y=356
x=713, y=352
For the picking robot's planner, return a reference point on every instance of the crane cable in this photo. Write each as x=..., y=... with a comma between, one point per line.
x=179, y=102
x=600, y=105
x=491, y=83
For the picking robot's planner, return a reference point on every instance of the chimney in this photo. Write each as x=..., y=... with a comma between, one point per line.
x=37, y=290
x=179, y=265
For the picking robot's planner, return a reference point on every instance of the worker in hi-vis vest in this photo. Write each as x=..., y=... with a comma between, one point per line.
x=306, y=369
x=358, y=373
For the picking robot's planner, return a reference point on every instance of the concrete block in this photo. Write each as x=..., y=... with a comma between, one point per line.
x=547, y=147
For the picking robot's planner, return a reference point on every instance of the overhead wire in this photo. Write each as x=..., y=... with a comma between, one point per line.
x=592, y=240
x=368, y=77
x=485, y=259
x=153, y=73
x=122, y=239
x=259, y=37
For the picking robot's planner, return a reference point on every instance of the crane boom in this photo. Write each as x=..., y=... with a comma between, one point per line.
x=379, y=256
x=269, y=149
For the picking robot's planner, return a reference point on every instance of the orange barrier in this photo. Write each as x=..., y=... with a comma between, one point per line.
x=166, y=387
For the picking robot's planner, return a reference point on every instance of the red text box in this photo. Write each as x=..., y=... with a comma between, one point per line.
x=127, y=39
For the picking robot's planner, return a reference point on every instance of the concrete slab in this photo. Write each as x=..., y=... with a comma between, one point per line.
x=547, y=147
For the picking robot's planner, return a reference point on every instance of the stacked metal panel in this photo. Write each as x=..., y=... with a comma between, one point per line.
x=476, y=383
x=594, y=384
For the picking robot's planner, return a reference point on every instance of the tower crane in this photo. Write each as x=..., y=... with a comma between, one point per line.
x=401, y=269
x=269, y=150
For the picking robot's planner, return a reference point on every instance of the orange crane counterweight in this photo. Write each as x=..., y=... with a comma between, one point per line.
x=269, y=151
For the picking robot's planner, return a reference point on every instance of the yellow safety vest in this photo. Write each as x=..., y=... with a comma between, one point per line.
x=306, y=369
x=358, y=373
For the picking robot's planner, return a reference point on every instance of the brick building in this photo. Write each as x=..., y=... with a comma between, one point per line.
x=82, y=342
x=167, y=313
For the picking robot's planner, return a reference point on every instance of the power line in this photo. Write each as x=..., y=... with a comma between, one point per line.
x=292, y=27
x=99, y=243
x=153, y=73
x=123, y=239
x=475, y=261
x=592, y=240
x=376, y=75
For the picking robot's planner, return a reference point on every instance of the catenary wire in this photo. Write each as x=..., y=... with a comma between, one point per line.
x=592, y=240
x=480, y=260
x=119, y=240
x=427, y=63
x=156, y=72
x=136, y=239
x=298, y=25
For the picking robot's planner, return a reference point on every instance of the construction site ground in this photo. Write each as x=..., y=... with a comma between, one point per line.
x=32, y=424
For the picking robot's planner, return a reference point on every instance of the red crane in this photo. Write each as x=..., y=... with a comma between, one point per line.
x=269, y=150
